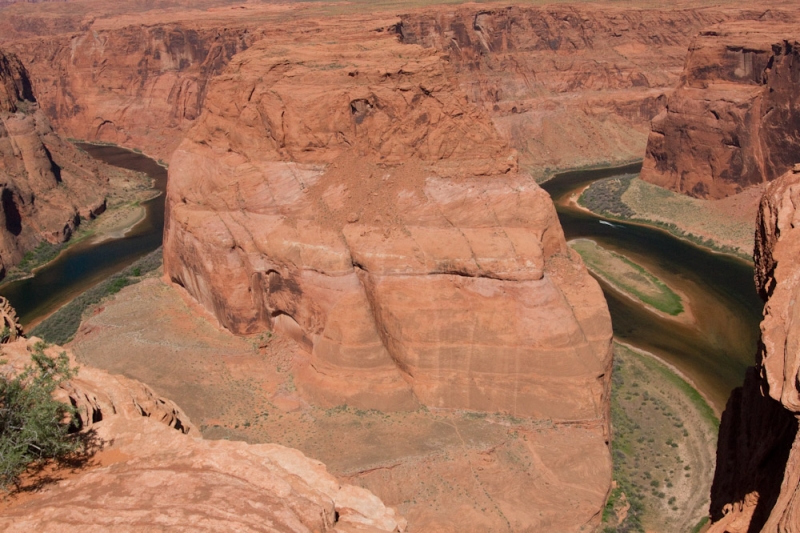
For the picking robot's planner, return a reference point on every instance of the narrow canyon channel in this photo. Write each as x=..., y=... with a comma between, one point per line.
x=715, y=350
x=82, y=266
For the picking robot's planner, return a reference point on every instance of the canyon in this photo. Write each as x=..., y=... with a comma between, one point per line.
x=354, y=192
x=47, y=184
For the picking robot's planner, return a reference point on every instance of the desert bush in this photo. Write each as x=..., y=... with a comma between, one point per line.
x=35, y=428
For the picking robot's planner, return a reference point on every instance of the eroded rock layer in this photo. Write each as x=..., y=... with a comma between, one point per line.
x=46, y=184
x=757, y=482
x=734, y=121
x=350, y=196
x=211, y=485
x=566, y=85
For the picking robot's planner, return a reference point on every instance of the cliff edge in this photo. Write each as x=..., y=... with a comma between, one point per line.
x=757, y=482
x=151, y=473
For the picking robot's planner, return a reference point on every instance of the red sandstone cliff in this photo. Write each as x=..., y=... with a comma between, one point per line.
x=350, y=196
x=757, y=482
x=734, y=121
x=46, y=184
x=565, y=85
x=147, y=476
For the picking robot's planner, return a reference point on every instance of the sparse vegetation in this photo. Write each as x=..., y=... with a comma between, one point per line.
x=605, y=197
x=35, y=428
x=630, y=199
x=40, y=255
x=61, y=326
x=649, y=452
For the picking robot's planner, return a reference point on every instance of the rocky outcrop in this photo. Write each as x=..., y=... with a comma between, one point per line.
x=350, y=196
x=757, y=482
x=734, y=121
x=46, y=184
x=148, y=476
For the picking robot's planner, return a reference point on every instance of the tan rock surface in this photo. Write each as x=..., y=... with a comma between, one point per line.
x=47, y=184
x=212, y=485
x=734, y=121
x=757, y=483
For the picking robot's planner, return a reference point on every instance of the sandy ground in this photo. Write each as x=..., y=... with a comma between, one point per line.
x=664, y=442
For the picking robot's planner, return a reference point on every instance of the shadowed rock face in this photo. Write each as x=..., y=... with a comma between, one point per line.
x=734, y=121
x=350, y=196
x=212, y=485
x=757, y=482
x=46, y=184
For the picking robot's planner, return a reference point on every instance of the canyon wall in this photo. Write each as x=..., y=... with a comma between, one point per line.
x=757, y=482
x=567, y=86
x=145, y=475
x=46, y=184
x=734, y=121
x=140, y=85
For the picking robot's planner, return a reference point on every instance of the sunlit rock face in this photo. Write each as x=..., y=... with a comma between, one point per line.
x=351, y=196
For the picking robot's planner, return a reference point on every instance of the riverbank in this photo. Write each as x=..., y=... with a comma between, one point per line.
x=127, y=191
x=721, y=226
x=663, y=446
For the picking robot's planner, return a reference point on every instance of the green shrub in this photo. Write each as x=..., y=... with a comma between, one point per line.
x=35, y=428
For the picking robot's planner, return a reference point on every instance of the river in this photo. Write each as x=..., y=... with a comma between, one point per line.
x=85, y=264
x=715, y=351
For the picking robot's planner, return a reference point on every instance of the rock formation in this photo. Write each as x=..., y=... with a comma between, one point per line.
x=46, y=184
x=566, y=85
x=211, y=485
x=350, y=196
x=734, y=121
x=757, y=482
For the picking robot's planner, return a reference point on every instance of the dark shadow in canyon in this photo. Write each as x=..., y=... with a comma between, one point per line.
x=755, y=438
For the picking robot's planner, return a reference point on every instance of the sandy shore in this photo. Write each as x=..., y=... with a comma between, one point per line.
x=685, y=317
x=117, y=223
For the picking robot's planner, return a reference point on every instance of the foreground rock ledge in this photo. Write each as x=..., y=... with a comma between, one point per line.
x=350, y=196
x=152, y=477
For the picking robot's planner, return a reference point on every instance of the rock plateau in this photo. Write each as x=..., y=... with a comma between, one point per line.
x=355, y=200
